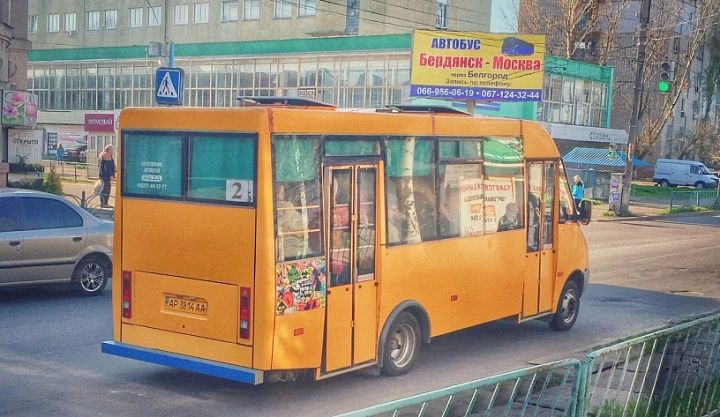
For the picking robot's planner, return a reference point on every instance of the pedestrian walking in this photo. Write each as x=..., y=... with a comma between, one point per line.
x=60, y=153
x=106, y=165
x=578, y=191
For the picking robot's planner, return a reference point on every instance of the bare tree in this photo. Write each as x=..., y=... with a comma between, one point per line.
x=609, y=23
x=711, y=77
x=566, y=23
x=703, y=143
x=656, y=108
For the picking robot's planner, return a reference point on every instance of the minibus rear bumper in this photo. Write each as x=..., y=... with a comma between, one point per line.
x=188, y=363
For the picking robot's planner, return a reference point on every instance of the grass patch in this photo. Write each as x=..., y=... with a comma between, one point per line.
x=683, y=209
x=611, y=213
x=652, y=191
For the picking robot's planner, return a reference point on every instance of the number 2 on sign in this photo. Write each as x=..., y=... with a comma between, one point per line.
x=239, y=191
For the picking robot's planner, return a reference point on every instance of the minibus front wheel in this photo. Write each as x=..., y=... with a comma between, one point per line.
x=402, y=345
x=568, y=307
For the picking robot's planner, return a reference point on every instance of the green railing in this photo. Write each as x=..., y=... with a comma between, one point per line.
x=670, y=372
x=544, y=390
x=697, y=198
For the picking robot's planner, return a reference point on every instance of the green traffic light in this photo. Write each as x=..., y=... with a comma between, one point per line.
x=663, y=86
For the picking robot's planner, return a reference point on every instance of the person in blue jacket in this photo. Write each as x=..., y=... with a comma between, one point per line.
x=578, y=191
x=59, y=153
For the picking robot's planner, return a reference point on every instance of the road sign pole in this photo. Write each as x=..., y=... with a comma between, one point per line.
x=171, y=54
x=635, y=120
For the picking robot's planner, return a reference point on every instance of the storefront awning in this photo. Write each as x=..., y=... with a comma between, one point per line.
x=598, y=157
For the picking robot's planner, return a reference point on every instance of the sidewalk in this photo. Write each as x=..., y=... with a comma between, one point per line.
x=637, y=209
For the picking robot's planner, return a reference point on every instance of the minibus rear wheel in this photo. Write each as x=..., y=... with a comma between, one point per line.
x=402, y=345
x=567, y=308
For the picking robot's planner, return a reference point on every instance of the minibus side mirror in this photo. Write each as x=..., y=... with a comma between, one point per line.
x=585, y=211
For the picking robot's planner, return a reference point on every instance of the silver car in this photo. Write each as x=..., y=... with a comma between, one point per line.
x=44, y=239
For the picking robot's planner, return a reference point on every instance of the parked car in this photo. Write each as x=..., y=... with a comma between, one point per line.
x=78, y=154
x=45, y=239
x=682, y=172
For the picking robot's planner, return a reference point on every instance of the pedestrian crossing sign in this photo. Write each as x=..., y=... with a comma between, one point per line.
x=168, y=86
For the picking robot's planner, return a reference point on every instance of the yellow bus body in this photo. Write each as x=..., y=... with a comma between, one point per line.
x=210, y=251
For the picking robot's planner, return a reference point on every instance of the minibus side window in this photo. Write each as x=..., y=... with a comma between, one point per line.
x=504, y=202
x=567, y=205
x=222, y=168
x=297, y=197
x=152, y=165
x=410, y=190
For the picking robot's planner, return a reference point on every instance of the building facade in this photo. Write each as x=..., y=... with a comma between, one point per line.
x=14, y=47
x=367, y=70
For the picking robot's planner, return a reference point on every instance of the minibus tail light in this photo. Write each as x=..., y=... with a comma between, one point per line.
x=126, y=294
x=244, y=313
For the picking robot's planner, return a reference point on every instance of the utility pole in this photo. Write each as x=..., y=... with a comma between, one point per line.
x=645, y=7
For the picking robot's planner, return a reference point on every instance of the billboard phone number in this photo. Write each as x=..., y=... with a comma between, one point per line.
x=476, y=93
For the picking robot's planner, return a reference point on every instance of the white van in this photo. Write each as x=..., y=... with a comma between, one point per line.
x=680, y=172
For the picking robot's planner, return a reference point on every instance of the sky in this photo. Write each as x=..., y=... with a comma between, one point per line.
x=504, y=16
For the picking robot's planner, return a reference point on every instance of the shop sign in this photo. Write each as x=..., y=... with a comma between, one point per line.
x=19, y=108
x=586, y=133
x=477, y=66
x=25, y=145
x=98, y=122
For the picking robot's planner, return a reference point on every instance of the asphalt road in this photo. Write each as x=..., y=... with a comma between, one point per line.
x=51, y=365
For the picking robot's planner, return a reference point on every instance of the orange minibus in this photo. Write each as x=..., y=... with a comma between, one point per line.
x=287, y=237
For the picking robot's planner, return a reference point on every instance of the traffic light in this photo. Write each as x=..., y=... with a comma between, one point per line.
x=665, y=79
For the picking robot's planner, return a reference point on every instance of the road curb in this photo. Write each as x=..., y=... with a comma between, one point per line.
x=671, y=215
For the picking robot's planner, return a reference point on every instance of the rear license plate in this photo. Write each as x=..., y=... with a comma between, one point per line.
x=185, y=304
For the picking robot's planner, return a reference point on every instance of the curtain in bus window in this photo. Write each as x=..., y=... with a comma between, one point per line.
x=461, y=193
x=410, y=190
x=152, y=165
x=567, y=205
x=222, y=168
x=549, y=195
x=297, y=197
x=504, y=184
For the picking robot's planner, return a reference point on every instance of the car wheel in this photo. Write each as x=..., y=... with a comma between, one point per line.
x=699, y=184
x=91, y=275
x=402, y=345
x=663, y=183
x=567, y=308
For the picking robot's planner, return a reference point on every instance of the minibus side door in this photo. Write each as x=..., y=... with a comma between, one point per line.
x=540, y=255
x=351, y=323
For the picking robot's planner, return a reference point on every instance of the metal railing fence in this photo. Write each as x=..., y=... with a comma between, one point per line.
x=674, y=372
x=540, y=391
x=671, y=372
x=91, y=203
x=697, y=198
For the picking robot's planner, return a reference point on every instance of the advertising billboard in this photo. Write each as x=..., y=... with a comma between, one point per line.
x=477, y=66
